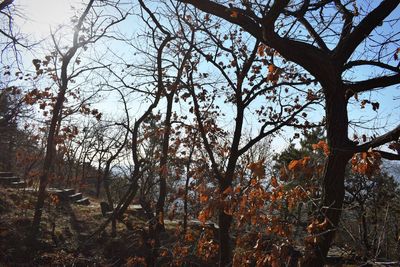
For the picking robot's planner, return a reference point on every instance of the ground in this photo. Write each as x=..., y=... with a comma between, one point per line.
x=65, y=237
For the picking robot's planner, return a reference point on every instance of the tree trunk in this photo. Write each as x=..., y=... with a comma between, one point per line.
x=224, y=223
x=99, y=179
x=128, y=197
x=47, y=164
x=364, y=232
x=188, y=176
x=55, y=121
x=185, y=203
x=106, y=182
x=333, y=181
x=163, y=173
x=121, y=207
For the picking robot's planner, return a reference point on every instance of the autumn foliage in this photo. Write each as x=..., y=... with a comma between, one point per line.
x=211, y=132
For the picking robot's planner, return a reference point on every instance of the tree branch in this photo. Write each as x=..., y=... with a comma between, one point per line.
x=312, y=58
x=242, y=18
x=355, y=63
x=320, y=42
x=202, y=129
x=272, y=15
x=393, y=135
x=5, y=4
x=347, y=45
x=263, y=134
x=367, y=85
x=348, y=19
x=388, y=156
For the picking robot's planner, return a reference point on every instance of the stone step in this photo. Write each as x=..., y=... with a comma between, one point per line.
x=8, y=180
x=75, y=197
x=83, y=201
x=64, y=193
x=57, y=192
x=6, y=174
x=69, y=191
x=19, y=184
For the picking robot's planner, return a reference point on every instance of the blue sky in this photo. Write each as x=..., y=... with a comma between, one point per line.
x=39, y=16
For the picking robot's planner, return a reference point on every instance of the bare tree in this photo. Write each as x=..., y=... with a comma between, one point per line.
x=340, y=37
x=86, y=32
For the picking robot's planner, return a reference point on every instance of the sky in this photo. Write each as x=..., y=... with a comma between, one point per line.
x=38, y=17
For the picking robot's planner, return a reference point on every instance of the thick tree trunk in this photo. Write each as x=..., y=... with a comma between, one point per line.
x=333, y=187
x=333, y=181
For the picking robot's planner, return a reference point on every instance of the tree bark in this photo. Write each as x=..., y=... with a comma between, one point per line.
x=50, y=145
x=185, y=205
x=128, y=197
x=163, y=172
x=224, y=223
x=99, y=179
x=364, y=232
x=47, y=164
x=333, y=190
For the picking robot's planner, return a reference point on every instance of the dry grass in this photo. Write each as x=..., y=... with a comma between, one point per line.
x=65, y=232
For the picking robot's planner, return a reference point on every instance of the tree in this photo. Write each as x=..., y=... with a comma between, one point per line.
x=152, y=93
x=328, y=57
x=310, y=147
x=11, y=39
x=9, y=110
x=371, y=198
x=237, y=68
x=86, y=32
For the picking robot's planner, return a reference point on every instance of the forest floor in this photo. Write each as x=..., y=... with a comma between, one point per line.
x=65, y=237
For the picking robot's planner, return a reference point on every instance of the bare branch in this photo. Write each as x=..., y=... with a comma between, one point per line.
x=263, y=134
x=355, y=63
x=393, y=135
x=240, y=18
x=5, y=4
x=388, y=156
x=346, y=46
x=368, y=85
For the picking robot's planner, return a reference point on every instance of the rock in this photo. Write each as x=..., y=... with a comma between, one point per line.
x=8, y=180
x=19, y=184
x=83, y=201
x=75, y=197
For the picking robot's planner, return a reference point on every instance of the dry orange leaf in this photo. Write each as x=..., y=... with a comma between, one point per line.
x=293, y=165
x=261, y=50
x=257, y=168
x=274, y=181
x=234, y=14
x=271, y=68
x=203, y=198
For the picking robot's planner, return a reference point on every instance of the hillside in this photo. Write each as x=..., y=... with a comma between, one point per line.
x=65, y=238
